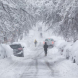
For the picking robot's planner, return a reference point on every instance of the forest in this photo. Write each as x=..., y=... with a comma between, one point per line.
x=17, y=17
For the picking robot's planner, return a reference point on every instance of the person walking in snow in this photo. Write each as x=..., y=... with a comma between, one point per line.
x=45, y=48
x=35, y=42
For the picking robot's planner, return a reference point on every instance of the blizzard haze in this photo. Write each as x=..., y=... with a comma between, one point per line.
x=45, y=33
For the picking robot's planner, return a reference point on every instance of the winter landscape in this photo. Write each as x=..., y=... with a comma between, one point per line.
x=38, y=38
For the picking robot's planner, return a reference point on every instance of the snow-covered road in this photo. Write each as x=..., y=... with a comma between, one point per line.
x=36, y=65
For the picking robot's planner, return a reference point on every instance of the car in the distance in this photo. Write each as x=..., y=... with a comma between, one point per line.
x=50, y=42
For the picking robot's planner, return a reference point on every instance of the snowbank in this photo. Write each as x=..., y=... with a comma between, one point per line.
x=60, y=44
x=67, y=50
x=5, y=51
x=74, y=52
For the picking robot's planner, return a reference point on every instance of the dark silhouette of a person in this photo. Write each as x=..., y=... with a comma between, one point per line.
x=45, y=48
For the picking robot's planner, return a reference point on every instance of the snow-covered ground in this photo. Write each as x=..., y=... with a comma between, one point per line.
x=34, y=64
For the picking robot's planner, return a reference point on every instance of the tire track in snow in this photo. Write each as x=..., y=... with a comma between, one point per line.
x=48, y=65
x=8, y=68
x=15, y=65
x=27, y=68
x=34, y=59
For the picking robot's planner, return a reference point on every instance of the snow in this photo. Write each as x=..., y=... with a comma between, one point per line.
x=17, y=17
x=34, y=64
x=67, y=50
x=75, y=46
x=10, y=3
x=74, y=52
x=5, y=51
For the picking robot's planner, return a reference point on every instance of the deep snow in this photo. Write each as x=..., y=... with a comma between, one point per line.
x=34, y=64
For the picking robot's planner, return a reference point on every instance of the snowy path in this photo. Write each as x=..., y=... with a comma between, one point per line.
x=36, y=65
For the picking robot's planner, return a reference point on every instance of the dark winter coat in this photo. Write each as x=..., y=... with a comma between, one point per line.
x=45, y=47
